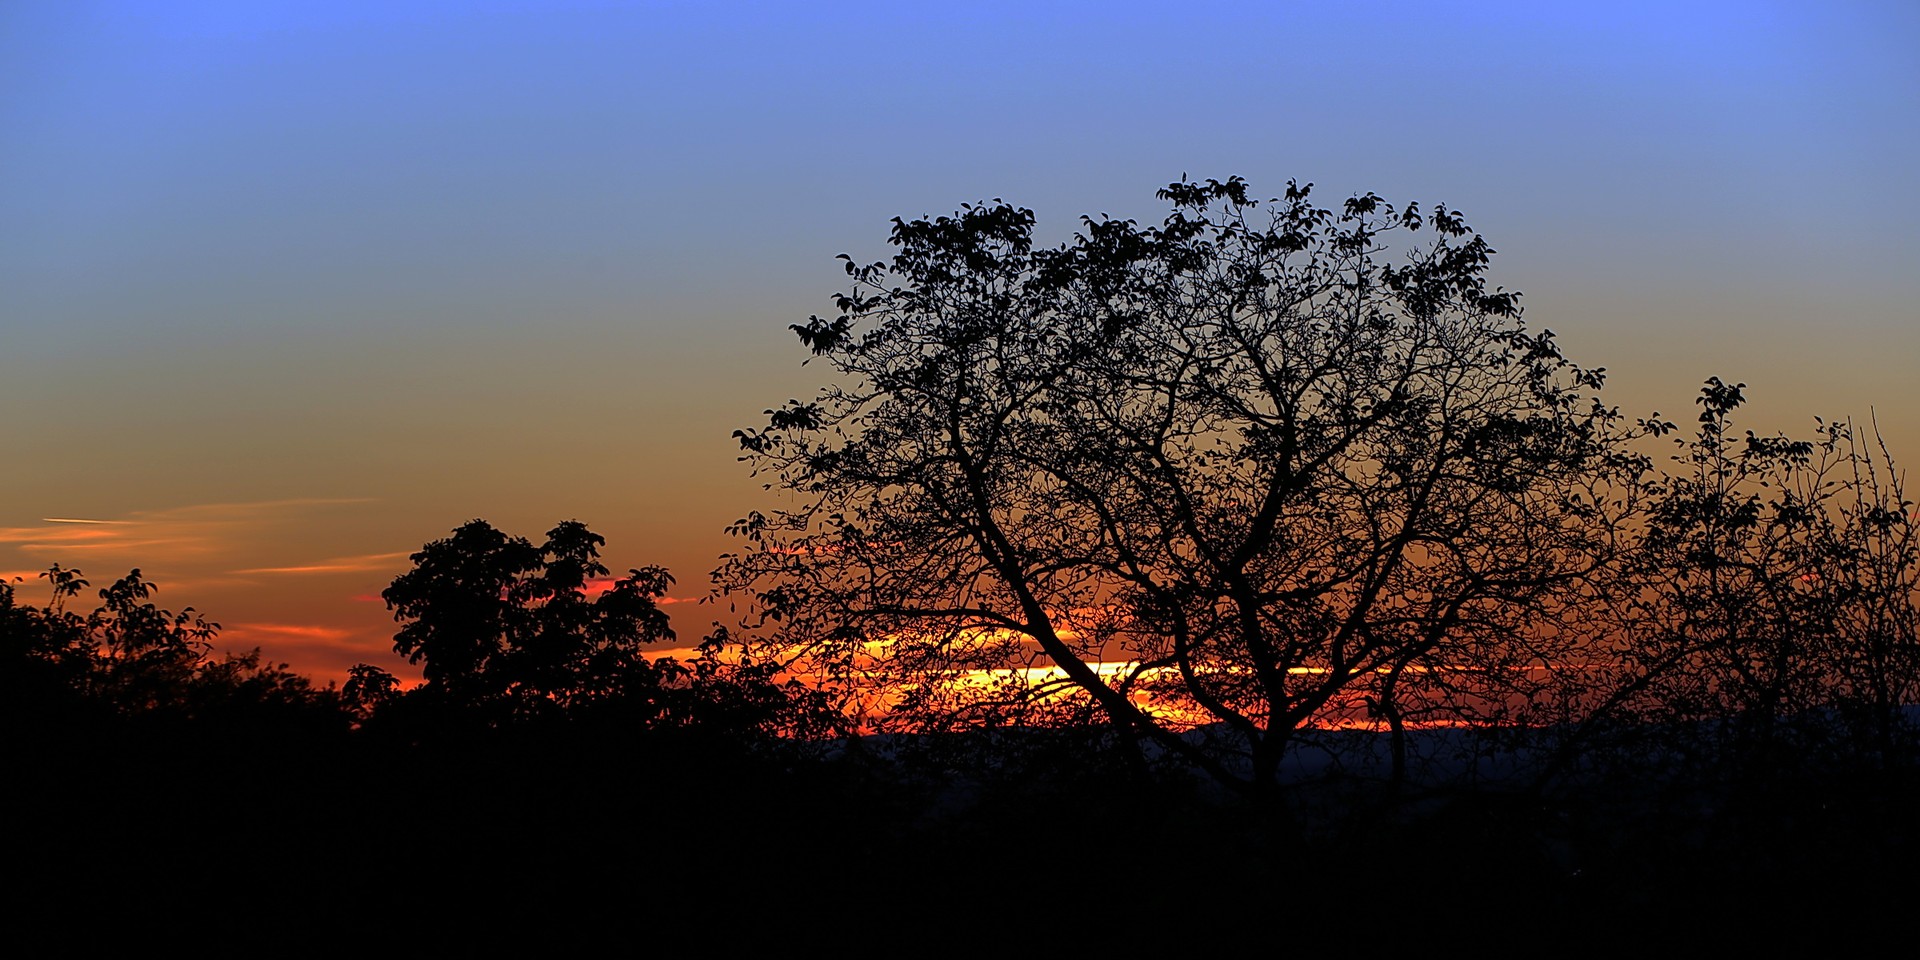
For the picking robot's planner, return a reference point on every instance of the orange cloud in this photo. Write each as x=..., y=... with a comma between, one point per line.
x=75, y=535
x=304, y=631
x=596, y=586
x=303, y=639
x=159, y=537
x=364, y=563
x=192, y=550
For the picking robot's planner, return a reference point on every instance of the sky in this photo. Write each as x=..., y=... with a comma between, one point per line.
x=288, y=289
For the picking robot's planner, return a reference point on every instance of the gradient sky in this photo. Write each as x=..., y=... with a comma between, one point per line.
x=288, y=289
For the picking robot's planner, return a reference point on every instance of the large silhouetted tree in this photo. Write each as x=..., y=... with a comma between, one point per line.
x=1261, y=467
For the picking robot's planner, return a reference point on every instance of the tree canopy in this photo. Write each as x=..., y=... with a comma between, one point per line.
x=129, y=661
x=507, y=632
x=497, y=622
x=1261, y=466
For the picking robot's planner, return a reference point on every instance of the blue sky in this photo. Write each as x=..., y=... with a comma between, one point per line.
x=422, y=262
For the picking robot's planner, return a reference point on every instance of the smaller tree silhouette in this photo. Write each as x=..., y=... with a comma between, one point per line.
x=147, y=654
x=508, y=628
x=1765, y=606
x=368, y=688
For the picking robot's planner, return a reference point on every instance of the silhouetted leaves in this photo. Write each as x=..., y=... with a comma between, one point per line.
x=1233, y=469
x=129, y=661
x=505, y=629
x=507, y=633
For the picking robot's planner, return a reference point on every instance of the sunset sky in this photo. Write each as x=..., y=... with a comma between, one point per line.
x=288, y=289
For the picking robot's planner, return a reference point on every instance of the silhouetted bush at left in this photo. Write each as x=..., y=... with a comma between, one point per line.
x=129, y=665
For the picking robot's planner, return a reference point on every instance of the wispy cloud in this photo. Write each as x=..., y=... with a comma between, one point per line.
x=305, y=631
x=243, y=509
x=238, y=559
x=596, y=586
x=68, y=533
x=360, y=564
x=304, y=641
x=24, y=581
x=170, y=536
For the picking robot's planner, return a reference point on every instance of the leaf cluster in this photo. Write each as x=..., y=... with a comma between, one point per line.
x=130, y=659
x=1277, y=460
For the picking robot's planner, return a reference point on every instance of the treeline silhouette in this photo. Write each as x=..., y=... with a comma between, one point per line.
x=546, y=764
x=509, y=640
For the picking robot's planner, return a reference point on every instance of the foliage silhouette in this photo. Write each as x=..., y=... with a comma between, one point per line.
x=504, y=628
x=129, y=660
x=508, y=632
x=1241, y=470
x=1764, y=615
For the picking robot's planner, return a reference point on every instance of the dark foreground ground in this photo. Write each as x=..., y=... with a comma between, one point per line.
x=705, y=847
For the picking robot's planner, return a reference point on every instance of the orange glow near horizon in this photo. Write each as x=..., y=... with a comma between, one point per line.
x=1156, y=691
